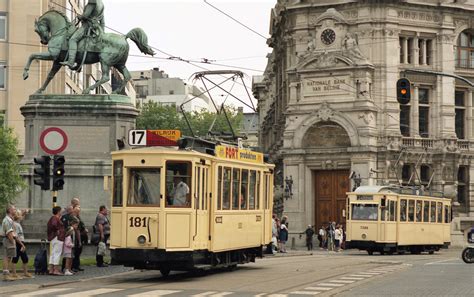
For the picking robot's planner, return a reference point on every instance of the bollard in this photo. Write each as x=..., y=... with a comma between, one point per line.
x=293, y=243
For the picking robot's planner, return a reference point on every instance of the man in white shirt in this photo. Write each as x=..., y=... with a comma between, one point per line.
x=9, y=242
x=179, y=193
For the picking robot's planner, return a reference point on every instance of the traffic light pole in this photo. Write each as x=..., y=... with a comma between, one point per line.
x=55, y=198
x=441, y=74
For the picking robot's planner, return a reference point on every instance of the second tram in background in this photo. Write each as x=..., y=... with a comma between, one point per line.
x=389, y=219
x=183, y=209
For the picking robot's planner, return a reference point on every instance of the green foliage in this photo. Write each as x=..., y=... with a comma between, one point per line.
x=155, y=116
x=11, y=182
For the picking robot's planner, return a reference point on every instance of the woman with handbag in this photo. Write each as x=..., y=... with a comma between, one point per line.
x=102, y=229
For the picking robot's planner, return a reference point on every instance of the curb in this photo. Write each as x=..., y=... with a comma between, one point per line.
x=85, y=279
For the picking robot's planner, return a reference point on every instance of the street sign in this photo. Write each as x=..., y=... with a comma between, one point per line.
x=53, y=140
x=153, y=137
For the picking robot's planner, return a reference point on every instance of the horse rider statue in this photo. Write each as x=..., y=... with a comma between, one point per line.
x=93, y=24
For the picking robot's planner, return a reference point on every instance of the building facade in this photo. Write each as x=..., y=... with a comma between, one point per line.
x=329, y=115
x=18, y=40
x=155, y=85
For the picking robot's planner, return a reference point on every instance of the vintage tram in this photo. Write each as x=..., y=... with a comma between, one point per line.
x=190, y=209
x=388, y=219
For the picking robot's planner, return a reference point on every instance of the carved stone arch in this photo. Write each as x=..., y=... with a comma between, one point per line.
x=326, y=134
x=326, y=60
x=331, y=13
x=326, y=114
x=458, y=31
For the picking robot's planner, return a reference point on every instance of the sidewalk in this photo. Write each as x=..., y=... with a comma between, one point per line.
x=90, y=272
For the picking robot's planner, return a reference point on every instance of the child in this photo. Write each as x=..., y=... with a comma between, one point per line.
x=20, y=246
x=67, y=250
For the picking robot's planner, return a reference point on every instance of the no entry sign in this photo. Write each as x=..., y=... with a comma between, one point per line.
x=53, y=140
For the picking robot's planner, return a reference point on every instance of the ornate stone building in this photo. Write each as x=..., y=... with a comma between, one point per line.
x=329, y=116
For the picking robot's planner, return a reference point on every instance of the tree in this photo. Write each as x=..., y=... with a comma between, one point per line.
x=155, y=116
x=11, y=182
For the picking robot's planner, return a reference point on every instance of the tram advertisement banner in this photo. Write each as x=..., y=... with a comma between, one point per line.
x=153, y=137
x=233, y=153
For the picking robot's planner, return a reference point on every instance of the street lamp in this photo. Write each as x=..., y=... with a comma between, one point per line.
x=289, y=187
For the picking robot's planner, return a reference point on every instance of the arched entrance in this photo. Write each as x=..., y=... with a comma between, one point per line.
x=330, y=184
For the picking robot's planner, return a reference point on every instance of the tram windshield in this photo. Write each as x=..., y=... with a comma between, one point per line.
x=144, y=187
x=365, y=212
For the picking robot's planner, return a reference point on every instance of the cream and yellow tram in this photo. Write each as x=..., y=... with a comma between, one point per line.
x=179, y=209
x=385, y=219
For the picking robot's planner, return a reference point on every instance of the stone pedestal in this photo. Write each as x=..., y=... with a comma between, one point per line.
x=93, y=124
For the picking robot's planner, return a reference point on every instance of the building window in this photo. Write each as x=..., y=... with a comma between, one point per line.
x=463, y=181
x=423, y=112
x=2, y=118
x=407, y=171
x=460, y=110
x=3, y=76
x=405, y=120
x=3, y=27
x=465, y=50
x=425, y=174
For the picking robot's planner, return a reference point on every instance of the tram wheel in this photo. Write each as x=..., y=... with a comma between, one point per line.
x=370, y=252
x=431, y=252
x=165, y=272
x=382, y=253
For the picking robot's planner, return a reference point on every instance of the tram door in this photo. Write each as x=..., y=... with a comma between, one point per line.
x=267, y=206
x=201, y=207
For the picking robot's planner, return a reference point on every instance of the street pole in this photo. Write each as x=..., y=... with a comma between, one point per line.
x=55, y=197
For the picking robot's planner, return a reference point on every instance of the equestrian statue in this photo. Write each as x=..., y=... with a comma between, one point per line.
x=74, y=46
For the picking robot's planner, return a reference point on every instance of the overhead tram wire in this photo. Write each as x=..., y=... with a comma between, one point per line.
x=235, y=20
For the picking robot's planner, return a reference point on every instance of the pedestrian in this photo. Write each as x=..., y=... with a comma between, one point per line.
x=332, y=227
x=9, y=243
x=321, y=237
x=337, y=238
x=283, y=236
x=67, y=250
x=102, y=227
x=309, y=237
x=56, y=241
x=80, y=237
x=20, y=245
x=274, y=234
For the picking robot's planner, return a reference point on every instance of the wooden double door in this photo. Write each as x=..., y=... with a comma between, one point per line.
x=330, y=196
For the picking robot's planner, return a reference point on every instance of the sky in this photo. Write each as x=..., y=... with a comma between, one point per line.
x=193, y=30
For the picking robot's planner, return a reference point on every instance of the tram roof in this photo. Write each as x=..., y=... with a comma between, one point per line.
x=374, y=189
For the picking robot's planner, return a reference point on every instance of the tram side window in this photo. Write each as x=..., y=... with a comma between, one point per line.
x=447, y=214
x=226, y=191
x=403, y=210
x=433, y=212
x=426, y=211
x=411, y=210
x=244, y=185
x=235, y=188
x=144, y=187
x=257, y=197
x=197, y=177
x=365, y=212
x=252, y=188
x=392, y=210
x=439, y=209
x=178, y=184
x=418, y=209
x=219, y=188
x=118, y=183
x=204, y=188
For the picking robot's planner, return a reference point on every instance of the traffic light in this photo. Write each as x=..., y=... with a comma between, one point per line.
x=58, y=172
x=42, y=172
x=403, y=91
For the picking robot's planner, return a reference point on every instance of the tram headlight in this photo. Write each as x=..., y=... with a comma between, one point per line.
x=364, y=236
x=141, y=239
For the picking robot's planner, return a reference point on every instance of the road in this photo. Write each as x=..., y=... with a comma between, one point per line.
x=350, y=273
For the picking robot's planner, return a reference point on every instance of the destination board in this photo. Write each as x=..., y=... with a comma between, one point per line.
x=153, y=137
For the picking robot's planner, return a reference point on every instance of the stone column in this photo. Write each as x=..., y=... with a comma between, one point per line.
x=424, y=52
x=469, y=115
x=414, y=116
x=416, y=51
x=405, y=50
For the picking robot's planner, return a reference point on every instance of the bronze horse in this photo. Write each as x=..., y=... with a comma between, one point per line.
x=54, y=28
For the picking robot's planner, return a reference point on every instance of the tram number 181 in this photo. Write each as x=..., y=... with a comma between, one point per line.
x=138, y=222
